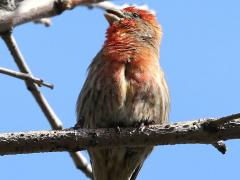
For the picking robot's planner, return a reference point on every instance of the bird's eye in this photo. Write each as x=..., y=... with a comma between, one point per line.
x=136, y=15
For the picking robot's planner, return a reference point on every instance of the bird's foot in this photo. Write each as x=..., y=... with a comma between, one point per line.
x=118, y=130
x=143, y=123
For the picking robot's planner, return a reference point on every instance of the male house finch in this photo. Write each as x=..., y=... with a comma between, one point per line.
x=125, y=86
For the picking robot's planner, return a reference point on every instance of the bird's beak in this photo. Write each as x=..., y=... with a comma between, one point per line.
x=113, y=15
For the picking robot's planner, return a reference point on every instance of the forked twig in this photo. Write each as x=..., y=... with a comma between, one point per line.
x=79, y=160
x=32, y=87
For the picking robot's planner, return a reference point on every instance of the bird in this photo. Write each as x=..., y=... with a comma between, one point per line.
x=125, y=87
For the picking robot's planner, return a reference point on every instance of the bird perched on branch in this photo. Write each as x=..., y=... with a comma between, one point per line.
x=125, y=87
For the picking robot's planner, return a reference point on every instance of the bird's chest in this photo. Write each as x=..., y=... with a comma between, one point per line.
x=130, y=96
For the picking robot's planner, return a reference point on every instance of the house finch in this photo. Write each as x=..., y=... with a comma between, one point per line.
x=125, y=86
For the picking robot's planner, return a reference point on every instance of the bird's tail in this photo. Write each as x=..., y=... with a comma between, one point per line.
x=118, y=163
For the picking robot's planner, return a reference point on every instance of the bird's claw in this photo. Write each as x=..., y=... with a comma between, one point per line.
x=143, y=123
x=118, y=130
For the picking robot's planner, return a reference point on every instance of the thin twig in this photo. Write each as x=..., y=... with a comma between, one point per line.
x=54, y=121
x=82, y=163
x=32, y=87
x=220, y=146
x=192, y=132
x=25, y=76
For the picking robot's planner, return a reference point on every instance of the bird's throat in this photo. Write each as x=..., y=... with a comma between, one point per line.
x=126, y=51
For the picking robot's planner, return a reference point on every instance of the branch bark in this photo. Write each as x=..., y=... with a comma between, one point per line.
x=30, y=10
x=192, y=132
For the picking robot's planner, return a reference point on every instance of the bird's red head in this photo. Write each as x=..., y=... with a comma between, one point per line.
x=129, y=30
x=142, y=14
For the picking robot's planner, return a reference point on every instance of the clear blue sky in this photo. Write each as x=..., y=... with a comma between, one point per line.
x=201, y=58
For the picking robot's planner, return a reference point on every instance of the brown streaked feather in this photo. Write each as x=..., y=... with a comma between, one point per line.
x=125, y=85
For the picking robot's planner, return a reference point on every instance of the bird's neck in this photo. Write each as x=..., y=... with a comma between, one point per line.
x=136, y=58
x=121, y=47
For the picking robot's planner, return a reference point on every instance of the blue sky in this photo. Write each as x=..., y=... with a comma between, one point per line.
x=199, y=53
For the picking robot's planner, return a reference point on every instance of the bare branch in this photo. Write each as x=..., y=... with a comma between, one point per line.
x=25, y=76
x=32, y=87
x=46, y=108
x=193, y=132
x=30, y=10
x=78, y=159
x=82, y=164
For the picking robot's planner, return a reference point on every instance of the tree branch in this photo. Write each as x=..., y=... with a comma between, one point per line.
x=30, y=10
x=25, y=76
x=79, y=160
x=193, y=132
x=32, y=87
